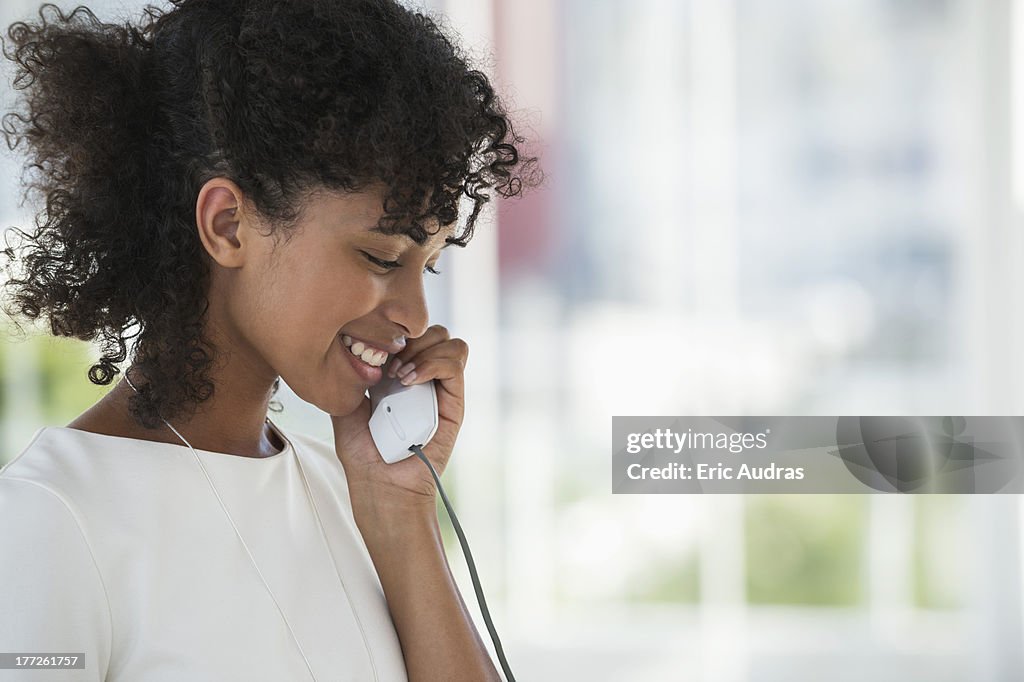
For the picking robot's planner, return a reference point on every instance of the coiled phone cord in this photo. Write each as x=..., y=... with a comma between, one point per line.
x=472, y=567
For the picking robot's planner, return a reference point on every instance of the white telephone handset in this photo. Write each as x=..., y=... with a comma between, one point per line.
x=403, y=416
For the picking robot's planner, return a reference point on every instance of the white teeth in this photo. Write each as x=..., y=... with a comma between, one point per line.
x=373, y=357
x=370, y=356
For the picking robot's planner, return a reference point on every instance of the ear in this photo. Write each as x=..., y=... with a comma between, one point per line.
x=224, y=227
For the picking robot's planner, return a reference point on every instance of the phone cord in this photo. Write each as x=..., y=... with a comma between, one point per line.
x=472, y=566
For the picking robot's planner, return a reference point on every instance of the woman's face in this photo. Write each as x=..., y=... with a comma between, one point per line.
x=284, y=309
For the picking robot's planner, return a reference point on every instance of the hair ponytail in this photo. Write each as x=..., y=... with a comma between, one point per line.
x=98, y=262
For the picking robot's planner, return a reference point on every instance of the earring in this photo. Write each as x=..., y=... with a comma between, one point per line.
x=275, y=405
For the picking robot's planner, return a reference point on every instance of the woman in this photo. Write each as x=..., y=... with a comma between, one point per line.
x=255, y=189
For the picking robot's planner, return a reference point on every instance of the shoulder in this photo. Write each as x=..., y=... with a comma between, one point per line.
x=44, y=542
x=70, y=460
x=102, y=482
x=51, y=482
x=31, y=503
x=50, y=461
x=39, y=488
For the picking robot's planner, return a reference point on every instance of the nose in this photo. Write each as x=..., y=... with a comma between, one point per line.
x=406, y=304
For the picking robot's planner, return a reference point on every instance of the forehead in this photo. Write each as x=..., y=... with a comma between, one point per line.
x=361, y=212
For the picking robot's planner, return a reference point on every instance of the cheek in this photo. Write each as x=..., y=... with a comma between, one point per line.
x=300, y=312
x=305, y=311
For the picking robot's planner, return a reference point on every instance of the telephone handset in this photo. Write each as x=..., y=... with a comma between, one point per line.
x=404, y=419
x=402, y=416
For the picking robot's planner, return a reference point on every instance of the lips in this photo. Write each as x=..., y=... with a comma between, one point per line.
x=369, y=374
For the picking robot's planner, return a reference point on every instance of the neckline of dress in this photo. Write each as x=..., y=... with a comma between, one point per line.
x=288, y=446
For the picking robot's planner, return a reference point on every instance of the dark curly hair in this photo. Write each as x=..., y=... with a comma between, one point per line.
x=126, y=122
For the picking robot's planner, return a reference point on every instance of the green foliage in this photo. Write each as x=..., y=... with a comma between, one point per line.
x=676, y=581
x=65, y=389
x=939, y=568
x=805, y=549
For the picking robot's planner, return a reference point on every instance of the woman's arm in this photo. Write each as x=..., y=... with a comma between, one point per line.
x=438, y=638
x=395, y=509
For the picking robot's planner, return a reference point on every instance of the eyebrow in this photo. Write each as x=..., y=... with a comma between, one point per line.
x=380, y=230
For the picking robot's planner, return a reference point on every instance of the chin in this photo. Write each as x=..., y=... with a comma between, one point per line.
x=343, y=401
x=344, y=405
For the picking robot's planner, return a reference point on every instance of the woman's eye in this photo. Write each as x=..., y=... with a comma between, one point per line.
x=391, y=264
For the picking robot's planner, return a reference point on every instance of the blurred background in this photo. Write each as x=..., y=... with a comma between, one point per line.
x=767, y=208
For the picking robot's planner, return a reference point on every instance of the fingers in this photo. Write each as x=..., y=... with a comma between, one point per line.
x=436, y=335
x=446, y=360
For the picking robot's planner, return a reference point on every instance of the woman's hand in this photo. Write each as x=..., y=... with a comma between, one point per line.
x=431, y=356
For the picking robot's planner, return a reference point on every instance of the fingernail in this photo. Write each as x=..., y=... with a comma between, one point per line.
x=406, y=368
x=394, y=365
x=408, y=378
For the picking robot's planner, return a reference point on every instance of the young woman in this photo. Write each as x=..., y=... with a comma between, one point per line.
x=246, y=190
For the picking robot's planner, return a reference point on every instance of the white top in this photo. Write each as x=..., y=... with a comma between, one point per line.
x=118, y=548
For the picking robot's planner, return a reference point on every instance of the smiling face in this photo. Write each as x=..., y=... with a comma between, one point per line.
x=284, y=309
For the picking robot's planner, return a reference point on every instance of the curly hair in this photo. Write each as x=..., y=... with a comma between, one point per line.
x=126, y=122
